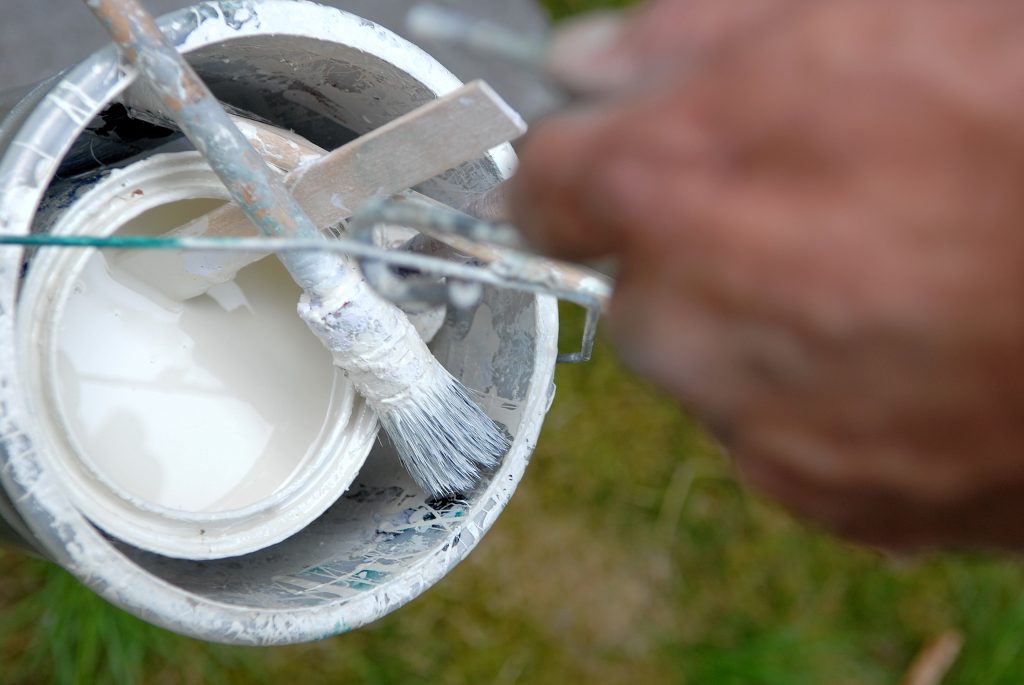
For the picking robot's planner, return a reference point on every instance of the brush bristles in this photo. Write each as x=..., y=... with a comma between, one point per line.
x=442, y=437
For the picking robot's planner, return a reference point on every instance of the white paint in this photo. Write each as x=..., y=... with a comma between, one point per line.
x=200, y=430
x=187, y=405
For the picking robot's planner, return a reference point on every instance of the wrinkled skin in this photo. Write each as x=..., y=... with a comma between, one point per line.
x=818, y=208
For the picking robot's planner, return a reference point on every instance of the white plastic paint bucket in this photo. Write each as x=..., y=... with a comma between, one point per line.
x=328, y=75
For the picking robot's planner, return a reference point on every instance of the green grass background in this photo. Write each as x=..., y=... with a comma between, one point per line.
x=628, y=555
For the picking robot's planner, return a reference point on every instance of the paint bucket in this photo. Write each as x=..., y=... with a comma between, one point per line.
x=167, y=423
x=328, y=75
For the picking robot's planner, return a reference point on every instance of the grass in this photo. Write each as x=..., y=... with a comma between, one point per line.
x=560, y=9
x=629, y=554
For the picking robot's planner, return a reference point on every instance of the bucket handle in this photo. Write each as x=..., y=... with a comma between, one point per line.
x=496, y=255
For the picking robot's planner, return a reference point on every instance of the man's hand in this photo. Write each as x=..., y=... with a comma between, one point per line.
x=819, y=211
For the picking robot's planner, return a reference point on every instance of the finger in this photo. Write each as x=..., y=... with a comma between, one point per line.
x=606, y=52
x=585, y=176
x=594, y=182
x=551, y=196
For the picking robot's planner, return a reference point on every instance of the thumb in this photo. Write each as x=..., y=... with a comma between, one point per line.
x=596, y=181
x=551, y=196
x=603, y=52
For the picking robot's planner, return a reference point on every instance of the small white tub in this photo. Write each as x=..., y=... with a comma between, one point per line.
x=201, y=429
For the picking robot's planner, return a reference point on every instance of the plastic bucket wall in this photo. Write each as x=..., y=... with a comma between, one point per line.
x=328, y=75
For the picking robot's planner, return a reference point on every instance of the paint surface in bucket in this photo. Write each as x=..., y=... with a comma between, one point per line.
x=202, y=406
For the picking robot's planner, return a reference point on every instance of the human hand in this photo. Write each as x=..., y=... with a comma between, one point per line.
x=818, y=212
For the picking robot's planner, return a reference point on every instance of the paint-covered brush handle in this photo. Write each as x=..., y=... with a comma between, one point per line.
x=187, y=100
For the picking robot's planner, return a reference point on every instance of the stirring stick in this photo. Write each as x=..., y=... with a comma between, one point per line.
x=438, y=136
x=187, y=100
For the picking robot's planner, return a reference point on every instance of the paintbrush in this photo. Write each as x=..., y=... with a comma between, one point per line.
x=442, y=437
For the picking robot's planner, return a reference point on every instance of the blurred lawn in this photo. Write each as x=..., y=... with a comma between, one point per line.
x=628, y=555
x=560, y=9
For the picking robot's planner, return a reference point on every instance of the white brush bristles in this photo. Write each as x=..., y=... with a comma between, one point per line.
x=442, y=437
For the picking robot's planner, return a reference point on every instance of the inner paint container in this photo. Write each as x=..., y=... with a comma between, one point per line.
x=329, y=76
x=170, y=424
